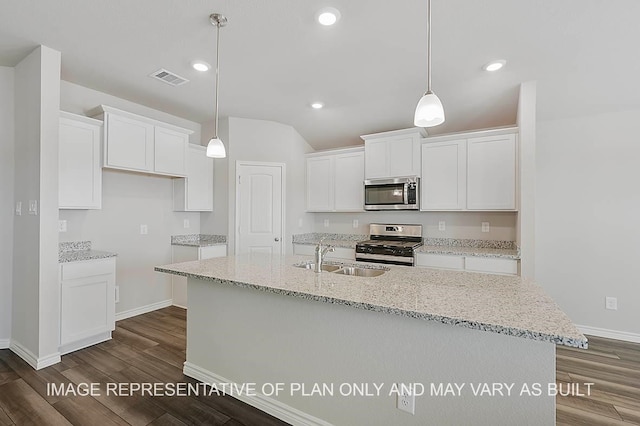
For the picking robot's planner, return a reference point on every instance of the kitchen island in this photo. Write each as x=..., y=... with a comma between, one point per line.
x=326, y=337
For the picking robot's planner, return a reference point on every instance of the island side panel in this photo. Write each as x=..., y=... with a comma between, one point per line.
x=250, y=336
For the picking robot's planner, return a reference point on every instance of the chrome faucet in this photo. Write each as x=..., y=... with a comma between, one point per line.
x=319, y=256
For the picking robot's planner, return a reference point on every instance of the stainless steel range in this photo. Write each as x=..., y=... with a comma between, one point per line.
x=391, y=244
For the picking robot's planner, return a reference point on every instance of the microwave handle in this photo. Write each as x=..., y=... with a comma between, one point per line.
x=405, y=198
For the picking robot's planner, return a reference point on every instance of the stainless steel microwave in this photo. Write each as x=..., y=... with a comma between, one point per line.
x=401, y=193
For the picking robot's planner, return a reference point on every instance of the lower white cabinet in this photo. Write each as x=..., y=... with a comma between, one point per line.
x=195, y=192
x=187, y=254
x=338, y=253
x=87, y=303
x=79, y=167
x=489, y=265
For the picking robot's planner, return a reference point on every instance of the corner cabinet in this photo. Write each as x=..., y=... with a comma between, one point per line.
x=87, y=303
x=475, y=171
x=335, y=181
x=79, y=168
x=195, y=192
x=393, y=154
x=140, y=144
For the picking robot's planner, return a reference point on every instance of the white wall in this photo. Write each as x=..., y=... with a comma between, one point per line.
x=217, y=221
x=587, y=210
x=457, y=224
x=6, y=195
x=36, y=290
x=267, y=141
x=128, y=201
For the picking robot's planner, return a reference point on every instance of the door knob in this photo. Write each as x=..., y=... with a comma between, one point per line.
x=277, y=239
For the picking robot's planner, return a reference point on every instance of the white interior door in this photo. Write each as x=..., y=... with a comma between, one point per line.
x=259, y=208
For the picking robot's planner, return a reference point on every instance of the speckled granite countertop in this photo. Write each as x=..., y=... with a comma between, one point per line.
x=198, y=240
x=76, y=251
x=451, y=246
x=497, y=303
x=335, y=240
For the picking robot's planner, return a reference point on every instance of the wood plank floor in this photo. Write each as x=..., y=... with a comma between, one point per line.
x=151, y=348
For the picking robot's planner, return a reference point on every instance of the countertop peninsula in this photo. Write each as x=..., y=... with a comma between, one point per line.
x=500, y=304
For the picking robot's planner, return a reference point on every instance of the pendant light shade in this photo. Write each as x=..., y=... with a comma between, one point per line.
x=215, y=148
x=429, y=111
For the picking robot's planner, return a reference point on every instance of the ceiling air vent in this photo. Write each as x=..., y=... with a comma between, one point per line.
x=169, y=77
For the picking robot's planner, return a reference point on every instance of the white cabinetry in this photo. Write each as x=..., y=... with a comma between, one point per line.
x=87, y=303
x=473, y=171
x=489, y=265
x=338, y=253
x=491, y=173
x=393, y=154
x=141, y=144
x=335, y=181
x=195, y=192
x=186, y=254
x=79, y=169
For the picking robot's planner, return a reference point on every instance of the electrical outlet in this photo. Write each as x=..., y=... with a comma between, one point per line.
x=355, y=223
x=144, y=230
x=62, y=226
x=117, y=294
x=18, y=208
x=406, y=398
x=485, y=227
x=442, y=225
x=611, y=303
x=326, y=223
x=185, y=223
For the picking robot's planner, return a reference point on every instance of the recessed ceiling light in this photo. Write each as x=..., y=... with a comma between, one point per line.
x=328, y=16
x=494, y=65
x=317, y=105
x=201, y=66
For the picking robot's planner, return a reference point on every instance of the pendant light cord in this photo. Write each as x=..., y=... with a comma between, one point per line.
x=428, y=46
x=215, y=134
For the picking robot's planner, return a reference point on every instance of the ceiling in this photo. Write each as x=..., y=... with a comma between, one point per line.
x=369, y=69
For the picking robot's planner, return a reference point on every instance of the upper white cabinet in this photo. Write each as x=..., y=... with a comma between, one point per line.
x=335, y=181
x=195, y=192
x=136, y=143
x=473, y=171
x=393, y=154
x=80, y=173
x=491, y=173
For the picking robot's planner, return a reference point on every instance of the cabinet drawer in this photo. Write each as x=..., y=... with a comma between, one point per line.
x=491, y=265
x=87, y=268
x=440, y=261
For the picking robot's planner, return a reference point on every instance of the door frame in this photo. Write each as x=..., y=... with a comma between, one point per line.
x=283, y=189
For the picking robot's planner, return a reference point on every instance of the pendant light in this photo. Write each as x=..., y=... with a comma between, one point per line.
x=215, y=148
x=429, y=111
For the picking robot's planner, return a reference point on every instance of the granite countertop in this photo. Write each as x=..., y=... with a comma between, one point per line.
x=198, y=240
x=470, y=251
x=335, y=240
x=496, y=303
x=75, y=251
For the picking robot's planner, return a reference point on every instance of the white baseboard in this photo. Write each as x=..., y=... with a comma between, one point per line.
x=143, y=309
x=179, y=306
x=84, y=343
x=610, y=334
x=267, y=404
x=4, y=343
x=31, y=359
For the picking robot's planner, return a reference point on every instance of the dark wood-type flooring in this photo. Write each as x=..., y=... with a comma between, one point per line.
x=151, y=348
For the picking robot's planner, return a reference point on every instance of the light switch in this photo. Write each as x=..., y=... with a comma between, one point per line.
x=18, y=208
x=33, y=207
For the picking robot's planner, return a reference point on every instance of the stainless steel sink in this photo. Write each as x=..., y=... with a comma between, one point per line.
x=324, y=267
x=360, y=272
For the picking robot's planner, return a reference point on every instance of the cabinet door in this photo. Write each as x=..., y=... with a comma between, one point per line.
x=491, y=173
x=79, y=170
x=128, y=143
x=404, y=156
x=349, y=181
x=376, y=159
x=170, y=152
x=320, y=184
x=444, y=172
